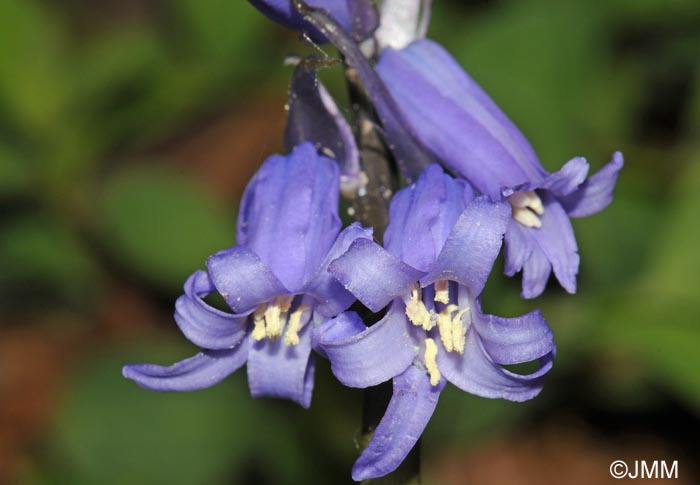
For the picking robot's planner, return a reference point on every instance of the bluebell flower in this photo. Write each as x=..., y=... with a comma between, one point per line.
x=441, y=244
x=468, y=133
x=275, y=281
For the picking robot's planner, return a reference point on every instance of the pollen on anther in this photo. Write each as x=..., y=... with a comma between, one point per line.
x=527, y=207
x=526, y=217
x=430, y=357
x=442, y=291
x=416, y=311
x=291, y=336
x=259, y=331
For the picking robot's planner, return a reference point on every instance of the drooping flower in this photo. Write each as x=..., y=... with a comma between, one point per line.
x=457, y=121
x=440, y=247
x=275, y=281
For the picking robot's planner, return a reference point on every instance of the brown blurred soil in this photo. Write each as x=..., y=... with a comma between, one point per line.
x=559, y=454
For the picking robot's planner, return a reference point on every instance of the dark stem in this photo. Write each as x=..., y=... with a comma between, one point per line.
x=371, y=204
x=409, y=154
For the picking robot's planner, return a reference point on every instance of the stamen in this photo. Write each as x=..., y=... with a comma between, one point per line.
x=430, y=361
x=274, y=314
x=442, y=291
x=259, y=322
x=526, y=217
x=459, y=331
x=284, y=302
x=273, y=323
x=444, y=322
x=291, y=336
x=536, y=204
x=416, y=311
x=527, y=206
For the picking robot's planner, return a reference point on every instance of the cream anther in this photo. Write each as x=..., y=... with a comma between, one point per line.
x=259, y=322
x=452, y=330
x=526, y=217
x=416, y=311
x=459, y=331
x=527, y=206
x=269, y=320
x=444, y=322
x=442, y=291
x=430, y=361
x=291, y=336
x=273, y=322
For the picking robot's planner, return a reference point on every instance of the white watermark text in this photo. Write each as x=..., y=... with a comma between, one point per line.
x=644, y=469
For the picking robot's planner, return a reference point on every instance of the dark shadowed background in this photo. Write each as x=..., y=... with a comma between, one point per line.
x=128, y=130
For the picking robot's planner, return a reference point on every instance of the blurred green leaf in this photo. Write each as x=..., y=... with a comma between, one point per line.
x=42, y=106
x=656, y=319
x=653, y=9
x=222, y=31
x=44, y=256
x=116, y=72
x=675, y=269
x=163, y=226
x=632, y=217
x=111, y=431
x=694, y=108
x=175, y=93
x=15, y=173
x=203, y=60
x=115, y=59
x=32, y=85
x=661, y=332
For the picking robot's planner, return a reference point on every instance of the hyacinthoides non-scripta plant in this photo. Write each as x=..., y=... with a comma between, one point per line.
x=392, y=300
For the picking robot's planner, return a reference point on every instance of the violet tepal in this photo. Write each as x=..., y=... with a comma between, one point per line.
x=467, y=132
x=275, y=281
x=357, y=16
x=283, y=12
x=441, y=244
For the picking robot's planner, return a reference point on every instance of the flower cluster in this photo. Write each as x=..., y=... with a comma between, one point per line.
x=473, y=182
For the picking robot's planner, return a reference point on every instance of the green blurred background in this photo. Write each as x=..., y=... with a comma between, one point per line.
x=128, y=129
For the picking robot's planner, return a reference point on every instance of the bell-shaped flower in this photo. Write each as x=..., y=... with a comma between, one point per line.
x=469, y=134
x=441, y=244
x=275, y=281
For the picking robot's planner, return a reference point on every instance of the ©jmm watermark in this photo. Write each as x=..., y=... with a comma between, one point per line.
x=644, y=469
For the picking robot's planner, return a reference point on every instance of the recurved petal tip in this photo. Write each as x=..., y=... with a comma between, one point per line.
x=596, y=193
x=205, y=369
x=411, y=407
